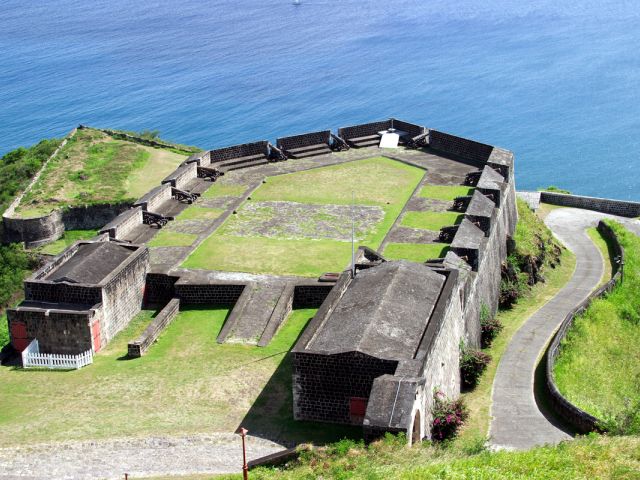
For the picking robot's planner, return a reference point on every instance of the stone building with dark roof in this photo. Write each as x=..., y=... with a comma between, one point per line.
x=383, y=342
x=81, y=299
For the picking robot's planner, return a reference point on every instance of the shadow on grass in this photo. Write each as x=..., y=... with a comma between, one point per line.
x=541, y=396
x=271, y=415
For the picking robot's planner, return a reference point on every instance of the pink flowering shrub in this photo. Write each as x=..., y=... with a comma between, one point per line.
x=472, y=364
x=448, y=416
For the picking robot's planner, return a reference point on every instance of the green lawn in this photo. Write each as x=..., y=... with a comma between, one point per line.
x=169, y=238
x=599, y=364
x=430, y=220
x=416, y=252
x=95, y=168
x=224, y=190
x=378, y=182
x=195, y=212
x=69, y=237
x=445, y=192
x=186, y=383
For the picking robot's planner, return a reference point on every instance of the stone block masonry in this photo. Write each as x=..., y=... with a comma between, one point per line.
x=138, y=347
x=605, y=205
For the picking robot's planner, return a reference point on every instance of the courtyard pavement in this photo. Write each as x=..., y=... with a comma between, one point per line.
x=517, y=421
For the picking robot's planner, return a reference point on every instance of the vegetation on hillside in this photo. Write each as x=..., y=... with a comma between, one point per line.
x=602, y=346
x=589, y=457
x=18, y=167
x=15, y=264
x=535, y=248
x=96, y=168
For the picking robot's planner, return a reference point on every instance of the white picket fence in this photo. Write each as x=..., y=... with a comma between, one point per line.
x=32, y=358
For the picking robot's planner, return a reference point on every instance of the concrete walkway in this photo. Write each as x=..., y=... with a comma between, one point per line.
x=517, y=422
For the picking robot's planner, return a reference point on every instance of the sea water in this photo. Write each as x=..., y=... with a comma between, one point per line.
x=556, y=84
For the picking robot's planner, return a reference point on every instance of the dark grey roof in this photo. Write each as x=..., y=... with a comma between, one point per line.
x=490, y=179
x=91, y=263
x=383, y=312
x=468, y=236
x=480, y=205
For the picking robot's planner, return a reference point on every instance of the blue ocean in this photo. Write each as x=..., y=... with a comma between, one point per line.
x=557, y=84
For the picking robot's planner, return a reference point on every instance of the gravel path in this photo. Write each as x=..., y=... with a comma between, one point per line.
x=517, y=422
x=110, y=459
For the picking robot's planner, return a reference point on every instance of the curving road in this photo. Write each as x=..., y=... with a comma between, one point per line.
x=517, y=422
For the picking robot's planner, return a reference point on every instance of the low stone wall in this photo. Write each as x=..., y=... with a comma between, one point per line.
x=312, y=295
x=411, y=128
x=364, y=129
x=138, y=347
x=34, y=231
x=604, y=205
x=159, y=288
x=236, y=151
x=212, y=294
x=476, y=152
x=304, y=140
x=577, y=418
x=88, y=217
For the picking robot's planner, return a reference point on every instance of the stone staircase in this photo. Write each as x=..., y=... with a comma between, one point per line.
x=366, y=141
x=309, y=151
x=258, y=313
x=240, y=162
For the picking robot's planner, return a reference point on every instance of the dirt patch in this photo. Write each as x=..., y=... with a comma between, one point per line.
x=420, y=204
x=291, y=220
x=412, y=235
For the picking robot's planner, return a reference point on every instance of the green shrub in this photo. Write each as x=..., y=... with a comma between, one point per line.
x=490, y=327
x=448, y=417
x=472, y=363
x=554, y=189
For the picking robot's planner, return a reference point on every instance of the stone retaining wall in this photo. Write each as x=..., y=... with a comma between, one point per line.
x=605, y=205
x=577, y=418
x=364, y=129
x=212, y=294
x=138, y=347
x=312, y=295
x=461, y=147
x=236, y=151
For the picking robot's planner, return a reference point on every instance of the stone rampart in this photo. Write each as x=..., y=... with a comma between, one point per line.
x=152, y=201
x=159, y=288
x=34, y=231
x=182, y=176
x=364, y=129
x=311, y=295
x=614, y=207
x=236, y=151
x=412, y=129
x=578, y=419
x=124, y=223
x=470, y=150
x=138, y=347
x=304, y=140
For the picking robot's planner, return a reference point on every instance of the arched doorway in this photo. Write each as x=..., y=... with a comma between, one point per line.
x=415, y=432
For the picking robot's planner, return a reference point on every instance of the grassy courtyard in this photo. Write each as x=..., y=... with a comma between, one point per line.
x=300, y=223
x=186, y=383
x=95, y=168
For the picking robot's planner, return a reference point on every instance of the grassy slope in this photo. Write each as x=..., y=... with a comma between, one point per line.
x=186, y=383
x=586, y=458
x=603, y=346
x=378, y=181
x=95, y=168
x=606, y=250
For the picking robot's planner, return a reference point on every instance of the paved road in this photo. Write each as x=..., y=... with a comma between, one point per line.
x=143, y=457
x=517, y=422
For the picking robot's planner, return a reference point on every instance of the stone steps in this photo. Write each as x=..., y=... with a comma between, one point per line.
x=368, y=141
x=310, y=151
x=247, y=164
x=256, y=311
